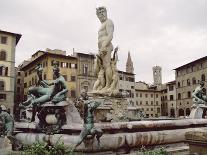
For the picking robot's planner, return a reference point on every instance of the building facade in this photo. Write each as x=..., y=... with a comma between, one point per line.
x=148, y=98
x=85, y=72
x=67, y=64
x=188, y=78
x=127, y=83
x=8, y=42
x=168, y=98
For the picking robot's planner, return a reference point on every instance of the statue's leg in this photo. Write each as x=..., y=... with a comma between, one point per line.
x=41, y=100
x=82, y=136
x=98, y=132
x=34, y=110
x=108, y=71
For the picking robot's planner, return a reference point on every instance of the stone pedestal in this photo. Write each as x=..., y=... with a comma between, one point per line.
x=112, y=109
x=198, y=111
x=197, y=140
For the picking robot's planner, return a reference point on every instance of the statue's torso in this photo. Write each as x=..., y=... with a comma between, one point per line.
x=102, y=33
x=58, y=85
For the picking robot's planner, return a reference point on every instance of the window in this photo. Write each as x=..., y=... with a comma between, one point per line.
x=132, y=87
x=203, y=78
x=85, y=69
x=171, y=88
x=73, y=93
x=136, y=95
x=188, y=82
x=151, y=95
x=146, y=95
x=156, y=102
x=4, y=71
x=120, y=78
x=171, y=97
x=25, y=85
x=156, y=95
x=140, y=102
x=72, y=78
x=140, y=95
x=1, y=70
x=189, y=94
x=2, y=55
x=158, y=110
x=19, y=73
x=178, y=84
x=2, y=96
x=73, y=66
x=3, y=40
x=179, y=96
x=136, y=102
x=1, y=85
x=151, y=109
x=146, y=102
x=151, y=102
x=63, y=64
x=194, y=80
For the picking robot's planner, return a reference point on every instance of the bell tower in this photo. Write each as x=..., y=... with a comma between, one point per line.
x=129, y=64
x=157, y=75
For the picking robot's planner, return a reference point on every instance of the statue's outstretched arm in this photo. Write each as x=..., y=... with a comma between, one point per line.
x=96, y=104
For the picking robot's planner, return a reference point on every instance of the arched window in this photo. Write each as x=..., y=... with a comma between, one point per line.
x=2, y=85
x=181, y=112
x=178, y=84
x=194, y=80
x=188, y=82
x=189, y=94
x=2, y=55
x=172, y=113
x=203, y=78
x=187, y=111
x=179, y=96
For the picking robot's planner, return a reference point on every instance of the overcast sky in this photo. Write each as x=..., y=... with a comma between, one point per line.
x=168, y=33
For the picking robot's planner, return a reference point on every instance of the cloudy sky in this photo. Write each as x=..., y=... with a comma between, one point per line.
x=168, y=33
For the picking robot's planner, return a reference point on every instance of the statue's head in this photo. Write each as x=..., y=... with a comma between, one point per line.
x=84, y=94
x=56, y=69
x=101, y=13
x=201, y=83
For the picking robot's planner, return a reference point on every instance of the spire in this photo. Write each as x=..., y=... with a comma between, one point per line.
x=129, y=64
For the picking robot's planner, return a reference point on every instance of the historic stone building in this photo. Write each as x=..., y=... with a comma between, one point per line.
x=148, y=98
x=188, y=77
x=85, y=72
x=8, y=42
x=127, y=80
x=68, y=68
x=168, y=99
x=127, y=83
